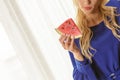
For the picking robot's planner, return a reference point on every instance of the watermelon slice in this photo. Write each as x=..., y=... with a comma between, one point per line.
x=69, y=27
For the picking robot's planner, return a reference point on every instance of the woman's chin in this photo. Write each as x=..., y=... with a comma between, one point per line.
x=88, y=12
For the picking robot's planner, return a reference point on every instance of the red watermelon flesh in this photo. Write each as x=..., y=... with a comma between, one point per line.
x=69, y=27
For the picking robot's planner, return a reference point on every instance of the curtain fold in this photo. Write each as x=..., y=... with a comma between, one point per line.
x=24, y=43
x=30, y=25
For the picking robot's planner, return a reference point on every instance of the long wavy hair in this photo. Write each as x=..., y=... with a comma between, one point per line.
x=82, y=23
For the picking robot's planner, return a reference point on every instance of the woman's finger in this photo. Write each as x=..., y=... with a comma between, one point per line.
x=62, y=38
x=72, y=43
x=67, y=42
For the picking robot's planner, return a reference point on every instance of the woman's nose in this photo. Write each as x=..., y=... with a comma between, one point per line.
x=87, y=2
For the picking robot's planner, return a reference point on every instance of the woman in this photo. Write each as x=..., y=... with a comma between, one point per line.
x=95, y=55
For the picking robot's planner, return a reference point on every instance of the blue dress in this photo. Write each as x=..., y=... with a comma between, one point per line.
x=114, y=3
x=106, y=59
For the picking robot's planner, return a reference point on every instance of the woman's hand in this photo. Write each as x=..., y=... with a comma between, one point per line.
x=67, y=42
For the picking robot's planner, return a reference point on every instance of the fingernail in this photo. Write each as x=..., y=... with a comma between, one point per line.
x=72, y=37
x=64, y=34
x=69, y=35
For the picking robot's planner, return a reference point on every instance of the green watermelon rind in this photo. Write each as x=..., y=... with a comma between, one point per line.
x=59, y=32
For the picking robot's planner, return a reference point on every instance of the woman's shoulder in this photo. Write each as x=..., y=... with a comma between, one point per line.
x=114, y=3
x=117, y=11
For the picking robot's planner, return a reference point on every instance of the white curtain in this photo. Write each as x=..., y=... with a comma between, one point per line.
x=30, y=25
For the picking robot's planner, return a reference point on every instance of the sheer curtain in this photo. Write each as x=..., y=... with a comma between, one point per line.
x=30, y=25
x=10, y=66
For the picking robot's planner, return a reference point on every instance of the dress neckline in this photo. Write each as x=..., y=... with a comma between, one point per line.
x=97, y=24
x=98, y=27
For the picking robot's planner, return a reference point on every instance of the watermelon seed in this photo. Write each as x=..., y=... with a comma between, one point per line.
x=68, y=22
x=62, y=27
x=73, y=28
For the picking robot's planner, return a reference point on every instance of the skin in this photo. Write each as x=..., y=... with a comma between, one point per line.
x=92, y=14
x=94, y=4
x=67, y=41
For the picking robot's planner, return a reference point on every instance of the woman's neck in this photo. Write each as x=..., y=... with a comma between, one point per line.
x=94, y=19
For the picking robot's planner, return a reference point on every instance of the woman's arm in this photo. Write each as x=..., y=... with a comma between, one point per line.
x=82, y=69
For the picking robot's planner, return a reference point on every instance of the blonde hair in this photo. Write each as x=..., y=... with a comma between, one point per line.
x=82, y=23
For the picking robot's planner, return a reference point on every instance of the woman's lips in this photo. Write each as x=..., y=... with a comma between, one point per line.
x=87, y=8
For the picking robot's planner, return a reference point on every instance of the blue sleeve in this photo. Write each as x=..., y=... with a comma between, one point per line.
x=82, y=70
